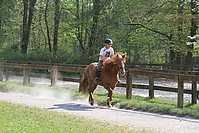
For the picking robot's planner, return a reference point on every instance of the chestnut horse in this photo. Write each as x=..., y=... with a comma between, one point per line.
x=109, y=77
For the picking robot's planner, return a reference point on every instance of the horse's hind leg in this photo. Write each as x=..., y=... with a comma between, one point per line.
x=91, y=90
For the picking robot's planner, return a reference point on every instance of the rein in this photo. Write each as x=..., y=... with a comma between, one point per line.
x=117, y=69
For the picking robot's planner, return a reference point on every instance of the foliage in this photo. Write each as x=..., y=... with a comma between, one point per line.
x=148, y=30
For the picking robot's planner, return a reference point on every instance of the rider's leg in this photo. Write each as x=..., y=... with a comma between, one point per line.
x=97, y=75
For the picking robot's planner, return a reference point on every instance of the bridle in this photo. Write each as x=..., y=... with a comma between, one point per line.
x=118, y=68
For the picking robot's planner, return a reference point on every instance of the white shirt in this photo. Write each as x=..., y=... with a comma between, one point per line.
x=106, y=53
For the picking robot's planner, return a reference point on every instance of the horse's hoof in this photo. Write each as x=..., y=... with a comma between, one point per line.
x=108, y=102
x=109, y=106
x=91, y=103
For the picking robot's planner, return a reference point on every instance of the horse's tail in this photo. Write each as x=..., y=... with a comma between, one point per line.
x=83, y=87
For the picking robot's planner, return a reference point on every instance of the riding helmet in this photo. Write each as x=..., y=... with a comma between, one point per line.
x=108, y=41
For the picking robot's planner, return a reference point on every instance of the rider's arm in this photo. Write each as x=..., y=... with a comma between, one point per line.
x=112, y=53
x=101, y=57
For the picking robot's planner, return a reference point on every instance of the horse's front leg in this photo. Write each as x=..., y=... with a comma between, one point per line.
x=91, y=99
x=109, y=99
x=91, y=90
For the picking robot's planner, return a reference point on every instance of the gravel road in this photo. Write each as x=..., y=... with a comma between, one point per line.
x=134, y=119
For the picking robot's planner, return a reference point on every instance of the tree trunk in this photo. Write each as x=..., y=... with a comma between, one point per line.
x=47, y=28
x=56, y=27
x=172, y=58
x=26, y=26
x=136, y=56
x=179, y=54
x=0, y=33
x=1, y=20
x=93, y=35
x=25, y=16
x=189, y=57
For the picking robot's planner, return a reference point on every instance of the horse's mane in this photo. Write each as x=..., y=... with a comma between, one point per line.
x=114, y=60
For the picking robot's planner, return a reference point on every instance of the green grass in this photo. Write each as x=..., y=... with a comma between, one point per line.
x=156, y=105
x=19, y=118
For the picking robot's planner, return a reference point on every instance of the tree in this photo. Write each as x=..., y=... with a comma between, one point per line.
x=5, y=13
x=77, y=28
x=94, y=28
x=47, y=28
x=148, y=27
x=173, y=25
x=193, y=30
x=1, y=5
x=27, y=21
x=56, y=26
x=92, y=19
x=176, y=56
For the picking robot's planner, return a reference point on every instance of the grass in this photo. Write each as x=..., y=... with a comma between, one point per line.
x=19, y=118
x=156, y=105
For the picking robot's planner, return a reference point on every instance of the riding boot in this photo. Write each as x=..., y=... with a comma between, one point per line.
x=97, y=76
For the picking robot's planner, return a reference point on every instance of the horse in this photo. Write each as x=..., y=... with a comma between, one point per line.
x=109, y=77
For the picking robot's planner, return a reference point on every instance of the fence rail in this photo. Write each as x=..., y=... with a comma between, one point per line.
x=176, y=75
x=179, y=77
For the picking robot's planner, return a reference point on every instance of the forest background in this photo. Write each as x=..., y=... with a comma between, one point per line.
x=73, y=31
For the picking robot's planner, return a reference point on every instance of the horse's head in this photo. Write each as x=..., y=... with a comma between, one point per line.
x=120, y=62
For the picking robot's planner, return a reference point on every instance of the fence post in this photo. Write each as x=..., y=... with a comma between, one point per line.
x=7, y=73
x=54, y=77
x=25, y=76
x=194, y=92
x=151, y=87
x=1, y=73
x=29, y=71
x=180, y=91
x=128, y=86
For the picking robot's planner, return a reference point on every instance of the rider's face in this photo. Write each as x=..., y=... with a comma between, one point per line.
x=108, y=46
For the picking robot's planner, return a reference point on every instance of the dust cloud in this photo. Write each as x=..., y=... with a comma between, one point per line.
x=42, y=90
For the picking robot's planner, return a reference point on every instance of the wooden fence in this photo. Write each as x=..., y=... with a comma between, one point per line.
x=54, y=69
x=176, y=75
x=179, y=77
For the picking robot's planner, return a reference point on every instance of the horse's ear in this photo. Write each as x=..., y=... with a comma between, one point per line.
x=124, y=55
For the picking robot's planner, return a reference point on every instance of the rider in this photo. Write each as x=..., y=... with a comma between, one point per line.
x=105, y=54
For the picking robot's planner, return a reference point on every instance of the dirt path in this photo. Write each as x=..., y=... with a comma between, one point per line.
x=134, y=119
x=140, y=92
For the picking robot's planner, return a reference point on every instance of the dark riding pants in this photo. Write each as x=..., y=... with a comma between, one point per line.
x=100, y=64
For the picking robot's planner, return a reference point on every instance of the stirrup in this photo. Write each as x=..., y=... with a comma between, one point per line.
x=97, y=80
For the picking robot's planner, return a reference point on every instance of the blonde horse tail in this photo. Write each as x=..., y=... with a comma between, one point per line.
x=83, y=87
